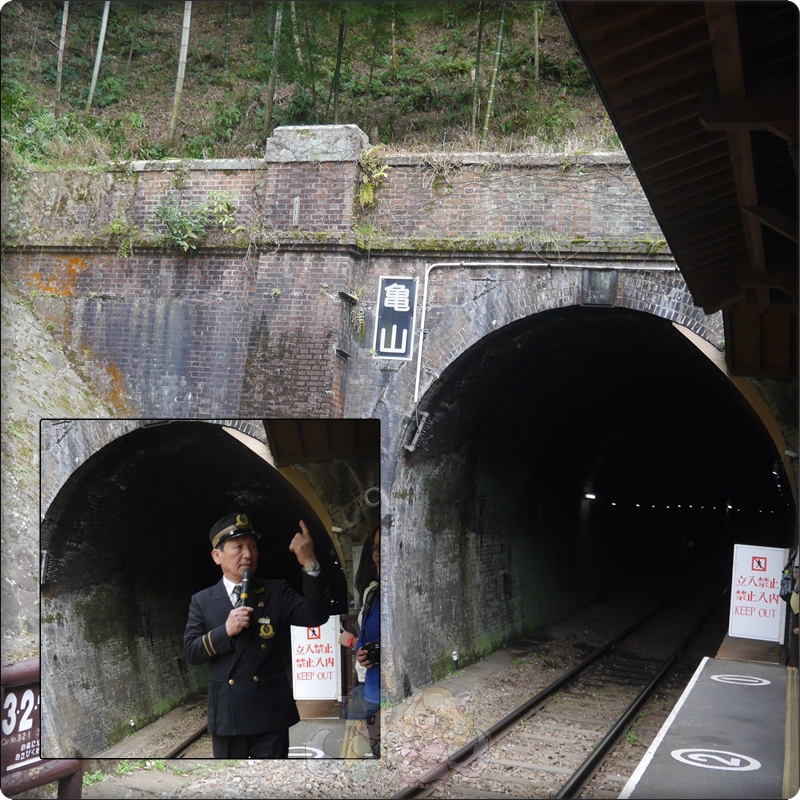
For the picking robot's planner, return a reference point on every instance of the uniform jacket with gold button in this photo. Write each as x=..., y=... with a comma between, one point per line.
x=249, y=687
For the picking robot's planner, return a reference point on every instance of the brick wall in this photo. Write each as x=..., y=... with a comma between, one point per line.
x=253, y=322
x=547, y=199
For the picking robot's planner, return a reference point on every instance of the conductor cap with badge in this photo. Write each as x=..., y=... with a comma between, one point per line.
x=231, y=526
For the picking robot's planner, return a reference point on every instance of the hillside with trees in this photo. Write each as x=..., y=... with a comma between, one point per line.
x=89, y=81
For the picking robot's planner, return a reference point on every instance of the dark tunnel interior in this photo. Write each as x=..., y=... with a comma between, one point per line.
x=620, y=405
x=139, y=511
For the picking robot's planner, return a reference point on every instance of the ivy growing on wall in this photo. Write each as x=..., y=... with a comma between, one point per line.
x=372, y=173
x=188, y=223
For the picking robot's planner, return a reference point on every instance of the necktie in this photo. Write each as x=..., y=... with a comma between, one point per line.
x=237, y=590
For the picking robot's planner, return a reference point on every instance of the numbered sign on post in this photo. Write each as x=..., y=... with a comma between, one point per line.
x=20, y=741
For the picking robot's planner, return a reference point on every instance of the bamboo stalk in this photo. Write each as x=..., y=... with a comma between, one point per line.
x=100, y=41
x=495, y=70
x=273, y=73
x=61, y=43
x=227, y=37
x=476, y=81
x=187, y=22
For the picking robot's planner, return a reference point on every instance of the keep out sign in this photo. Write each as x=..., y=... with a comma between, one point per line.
x=757, y=612
x=316, y=667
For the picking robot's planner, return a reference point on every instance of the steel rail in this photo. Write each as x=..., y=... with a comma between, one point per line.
x=181, y=749
x=477, y=746
x=590, y=763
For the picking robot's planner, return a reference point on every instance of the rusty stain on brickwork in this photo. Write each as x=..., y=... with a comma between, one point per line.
x=113, y=391
x=61, y=280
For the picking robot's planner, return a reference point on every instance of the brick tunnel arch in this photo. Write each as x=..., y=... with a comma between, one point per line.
x=543, y=401
x=124, y=546
x=660, y=291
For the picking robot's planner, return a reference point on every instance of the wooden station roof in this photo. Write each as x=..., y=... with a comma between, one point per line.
x=704, y=96
x=304, y=441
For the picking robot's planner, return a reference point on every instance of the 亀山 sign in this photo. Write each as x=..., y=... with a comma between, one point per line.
x=757, y=612
x=394, y=328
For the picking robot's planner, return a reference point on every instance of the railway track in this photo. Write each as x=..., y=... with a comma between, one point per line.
x=554, y=744
x=196, y=745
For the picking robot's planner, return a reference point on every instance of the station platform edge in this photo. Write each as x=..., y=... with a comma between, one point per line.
x=734, y=733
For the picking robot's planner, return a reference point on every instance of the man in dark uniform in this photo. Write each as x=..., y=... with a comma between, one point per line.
x=247, y=646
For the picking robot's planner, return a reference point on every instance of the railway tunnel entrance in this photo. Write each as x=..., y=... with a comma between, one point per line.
x=125, y=545
x=564, y=455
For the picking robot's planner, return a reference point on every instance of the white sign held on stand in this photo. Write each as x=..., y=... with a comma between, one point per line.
x=316, y=664
x=757, y=612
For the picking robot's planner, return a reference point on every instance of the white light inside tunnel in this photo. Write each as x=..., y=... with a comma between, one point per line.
x=590, y=496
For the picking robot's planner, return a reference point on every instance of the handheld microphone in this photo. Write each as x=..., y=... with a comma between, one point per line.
x=245, y=593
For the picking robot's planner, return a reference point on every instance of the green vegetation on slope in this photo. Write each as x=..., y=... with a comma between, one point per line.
x=402, y=71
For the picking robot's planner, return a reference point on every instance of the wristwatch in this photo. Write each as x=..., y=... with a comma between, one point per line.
x=314, y=567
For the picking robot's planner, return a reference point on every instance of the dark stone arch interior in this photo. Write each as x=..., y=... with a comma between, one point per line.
x=127, y=544
x=610, y=401
x=141, y=508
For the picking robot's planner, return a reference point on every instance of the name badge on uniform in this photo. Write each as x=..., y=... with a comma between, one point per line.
x=265, y=630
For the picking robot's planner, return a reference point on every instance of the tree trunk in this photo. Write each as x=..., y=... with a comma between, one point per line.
x=476, y=81
x=369, y=82
x=394, y=44
x=273, y=71
x=311, y=73
x=295, y=33
x=61, y=43
x=187, y=22
x=130, y=49
x=536, y=16
x=338, y=71
x=227, y=37
x=497, y=55
x=98, y=57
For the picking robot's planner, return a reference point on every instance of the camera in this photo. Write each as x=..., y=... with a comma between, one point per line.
x=373, y=652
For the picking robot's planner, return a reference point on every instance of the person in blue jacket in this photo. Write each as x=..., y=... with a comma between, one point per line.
x=247, y=645
x=368, y=648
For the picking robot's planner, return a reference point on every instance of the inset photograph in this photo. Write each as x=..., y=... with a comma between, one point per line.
x=210, y=588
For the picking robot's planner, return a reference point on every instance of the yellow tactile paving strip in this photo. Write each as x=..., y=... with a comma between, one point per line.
x=791, y=761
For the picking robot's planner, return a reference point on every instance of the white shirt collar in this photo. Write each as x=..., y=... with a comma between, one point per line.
x=229, y=586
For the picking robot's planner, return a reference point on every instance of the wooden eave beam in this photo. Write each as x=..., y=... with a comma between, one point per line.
x=784, y=279
x=723, y=301
x=782, y=224
x=770, y=113
x=725, y=44
x=649, y=33
x=702, y=160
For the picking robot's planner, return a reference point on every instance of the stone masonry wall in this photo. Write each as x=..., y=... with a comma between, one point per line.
x=261, y=320
x=550, y=202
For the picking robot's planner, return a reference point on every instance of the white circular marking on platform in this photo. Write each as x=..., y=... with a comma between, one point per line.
x=741, y=680
x=305, y=752
x=715, y=759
